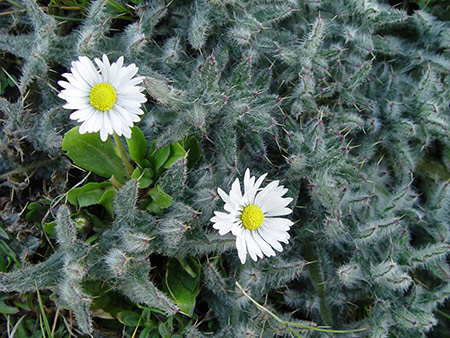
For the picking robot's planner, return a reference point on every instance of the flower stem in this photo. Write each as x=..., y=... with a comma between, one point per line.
x=122, y=153
x=289, y=324
x=116, y=184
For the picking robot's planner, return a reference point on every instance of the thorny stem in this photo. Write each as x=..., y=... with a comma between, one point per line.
x=122, y=153
x=289, y=324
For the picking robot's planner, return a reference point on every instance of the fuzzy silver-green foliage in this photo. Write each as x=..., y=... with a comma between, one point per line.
x=344, y=101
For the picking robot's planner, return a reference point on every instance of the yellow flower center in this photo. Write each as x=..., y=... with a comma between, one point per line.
x=102, y=96
x=252, y=217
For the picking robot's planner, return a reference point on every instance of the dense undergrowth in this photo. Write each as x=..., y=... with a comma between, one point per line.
x=345, y=102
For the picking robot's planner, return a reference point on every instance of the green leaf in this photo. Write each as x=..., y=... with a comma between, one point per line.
x=89, y=152
x=12, y=80
x=145, y=333
x=137, y=145
x=177, y=152
x=160, y=197
x=189, y=267
x=3, y=233
x=433, y=170
x=153, y=207
x=128, y=318
x=106, y=301
x=194, y=153
x=92, y=239
x=152, y=147
x=36, y=210
x=4, y=263
x=6, y=309
x=136, y=173
x=148, y=172
x=99, y=224
x=145, y=163
x=182, y=282
x=159, y=157
x=144, y=177
x=151, y=309
x=145, y=182
x=92, y=193
x=49, y=228
x=163, y=331
x=107, y=200
x=8, y=252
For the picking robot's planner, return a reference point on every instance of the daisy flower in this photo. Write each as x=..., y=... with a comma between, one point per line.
x=253, y=217
x=106, y=99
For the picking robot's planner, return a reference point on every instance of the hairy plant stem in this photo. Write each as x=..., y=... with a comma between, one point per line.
x=316, y=279
x=122, y=153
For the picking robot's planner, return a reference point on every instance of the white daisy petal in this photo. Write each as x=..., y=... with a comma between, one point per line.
x=88, y=70
x=73, y=92
x=127, y=89
x=76, y=105
x=241, y=247
x=104, y=96
x=116, y=121
x=237, y=227
x=70, y=86
x=279, y=212
x=224, y=227
x=78, y=84
x=104, y=68
x=83, y=127
x=139, y=112
x=128, y=102
x=103, y=134
x=124, y=115
x=114, y=69
x=236, y=193
x=263, y=193
x=128, y=72
x=265, y=248
x=278, y=223
x=107, y=123
x=251, y=194
x=248, y=182
x=279, y=235
x=252, y=247
x=107, y=65
x=125, y=74
x=126, y=131
x=135, y=81
x=254, y=217
x=77, y=75
x=269, y=239
x=221, y=216
x=275, y=204
x=119, y=62
x=82, y=114
x=225, y=197
x=135, y=118
x=95, y=122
